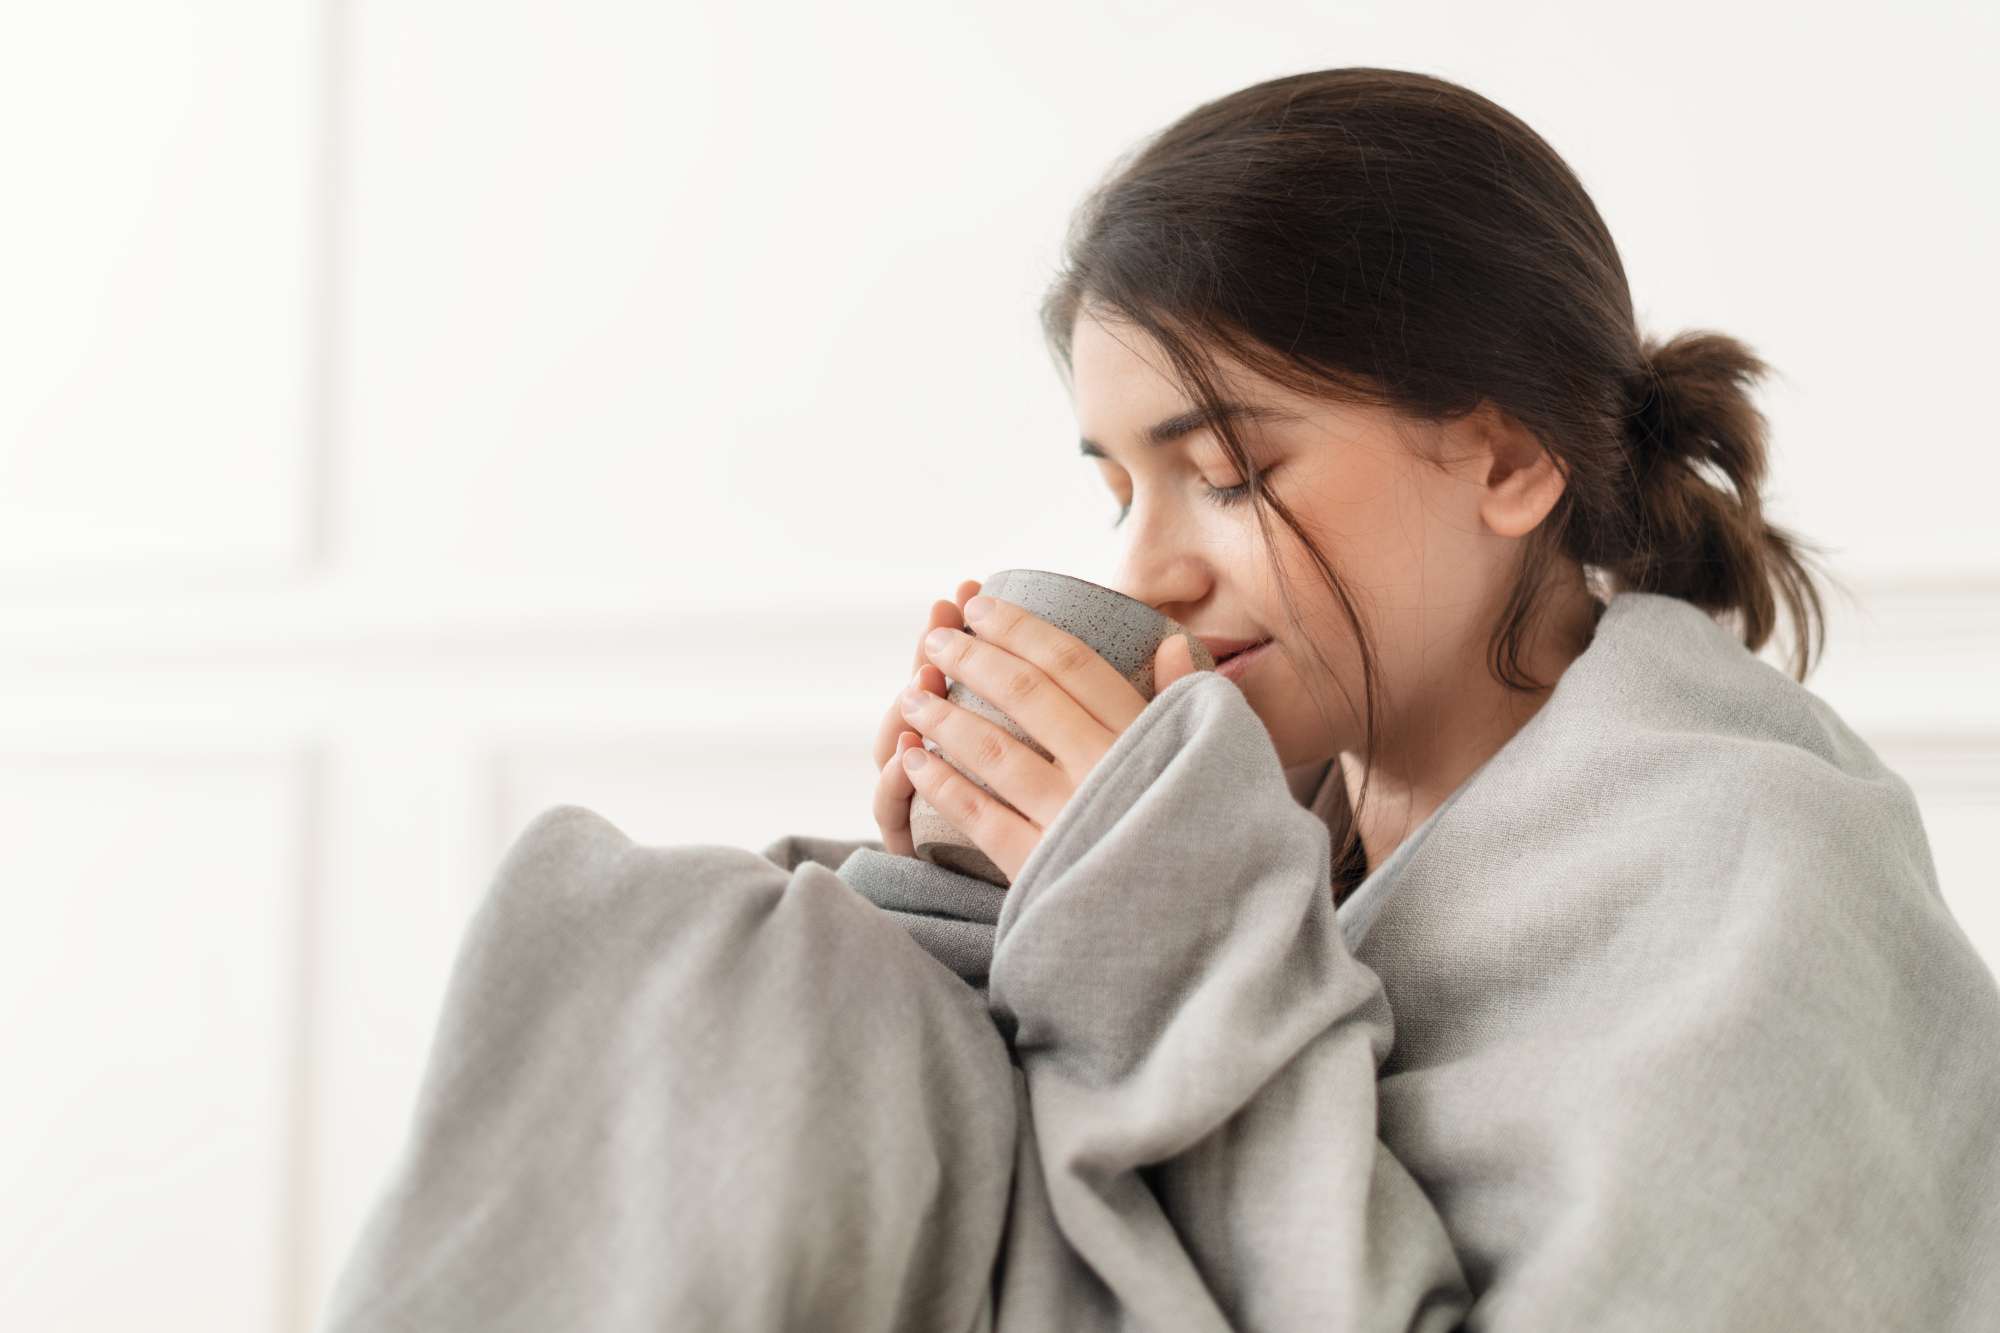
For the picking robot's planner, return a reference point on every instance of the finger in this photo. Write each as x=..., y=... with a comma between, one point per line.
x=950, y=614
x=942, y=613
x=1171, y=661
x=1003, y=835
x=892, y=800
x=990, y=754
x=929, y=677
x=1057, y=688
x=884, y=748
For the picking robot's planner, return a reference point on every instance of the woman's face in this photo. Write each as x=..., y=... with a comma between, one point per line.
x=1427, y=554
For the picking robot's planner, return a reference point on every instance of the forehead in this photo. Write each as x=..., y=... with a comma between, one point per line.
x=1112, y=357
x=1124, y=381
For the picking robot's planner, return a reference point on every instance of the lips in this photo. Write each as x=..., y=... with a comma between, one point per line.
x=1222, y=649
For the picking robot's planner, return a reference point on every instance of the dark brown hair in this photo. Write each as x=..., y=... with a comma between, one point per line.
x=1387, y=238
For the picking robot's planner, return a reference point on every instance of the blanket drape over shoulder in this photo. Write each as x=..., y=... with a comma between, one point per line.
x=1658, y=1022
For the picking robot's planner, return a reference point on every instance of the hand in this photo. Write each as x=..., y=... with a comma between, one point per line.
x=893, y=790
x=1057, y=689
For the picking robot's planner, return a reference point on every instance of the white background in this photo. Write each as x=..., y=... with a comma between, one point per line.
x=416, y=415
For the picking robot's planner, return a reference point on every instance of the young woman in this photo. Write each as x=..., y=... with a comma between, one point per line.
x=1504, y=945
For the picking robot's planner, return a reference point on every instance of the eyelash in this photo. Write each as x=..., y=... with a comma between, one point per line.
x=1219, y=495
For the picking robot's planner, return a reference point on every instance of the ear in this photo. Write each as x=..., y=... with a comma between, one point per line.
x=1522, y=479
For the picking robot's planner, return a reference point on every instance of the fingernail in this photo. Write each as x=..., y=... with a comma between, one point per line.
x=978, y=607
x=915, y=757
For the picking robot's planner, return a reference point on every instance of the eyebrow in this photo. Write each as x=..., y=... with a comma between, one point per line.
x=1186, y=423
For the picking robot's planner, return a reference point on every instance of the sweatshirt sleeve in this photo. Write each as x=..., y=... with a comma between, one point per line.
x=1201, y=1050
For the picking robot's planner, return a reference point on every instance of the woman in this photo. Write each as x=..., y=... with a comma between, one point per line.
x=1633, y=1003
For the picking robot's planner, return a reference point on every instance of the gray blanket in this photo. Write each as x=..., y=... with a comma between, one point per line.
x=1658, y=1022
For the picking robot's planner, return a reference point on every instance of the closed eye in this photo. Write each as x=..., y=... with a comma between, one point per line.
x=1218, y=495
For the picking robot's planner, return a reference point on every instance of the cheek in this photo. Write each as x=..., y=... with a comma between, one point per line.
x=1365, y=524
x=1323, y=622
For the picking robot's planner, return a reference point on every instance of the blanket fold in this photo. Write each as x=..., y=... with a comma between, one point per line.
x=1659, y=1021
x=952, y=915
x=681, y=1087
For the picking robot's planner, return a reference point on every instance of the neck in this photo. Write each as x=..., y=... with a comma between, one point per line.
x=1457, y=718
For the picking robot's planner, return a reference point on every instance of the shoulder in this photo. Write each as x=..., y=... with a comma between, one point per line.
x=1671, y=743
x=1679, y=817
x=1691, y=752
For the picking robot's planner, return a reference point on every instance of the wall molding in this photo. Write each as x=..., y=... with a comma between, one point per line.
x=1940, y=630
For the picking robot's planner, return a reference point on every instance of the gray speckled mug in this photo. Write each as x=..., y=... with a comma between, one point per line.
x=1125, y=632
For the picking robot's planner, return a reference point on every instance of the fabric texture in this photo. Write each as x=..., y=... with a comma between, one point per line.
x=1659, y=1021
x=951, y=914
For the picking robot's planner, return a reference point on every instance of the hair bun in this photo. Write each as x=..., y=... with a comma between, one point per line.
x=1646, y=411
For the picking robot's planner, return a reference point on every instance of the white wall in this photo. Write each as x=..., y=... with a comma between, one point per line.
x=415, y=415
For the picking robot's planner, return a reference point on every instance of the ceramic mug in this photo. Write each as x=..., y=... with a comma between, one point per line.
x=1124, y=631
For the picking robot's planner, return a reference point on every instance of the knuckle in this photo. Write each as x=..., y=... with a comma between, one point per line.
x=989, y=750
x=962, y=801
x=1020, y=685
x=1072, y=657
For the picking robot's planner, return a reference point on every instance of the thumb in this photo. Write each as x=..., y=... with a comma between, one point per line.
x=1173, y=660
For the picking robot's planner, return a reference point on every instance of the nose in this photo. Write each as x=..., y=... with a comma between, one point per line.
x=1160, y=570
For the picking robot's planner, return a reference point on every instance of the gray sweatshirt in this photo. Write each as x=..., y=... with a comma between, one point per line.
x=1657, y=1022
